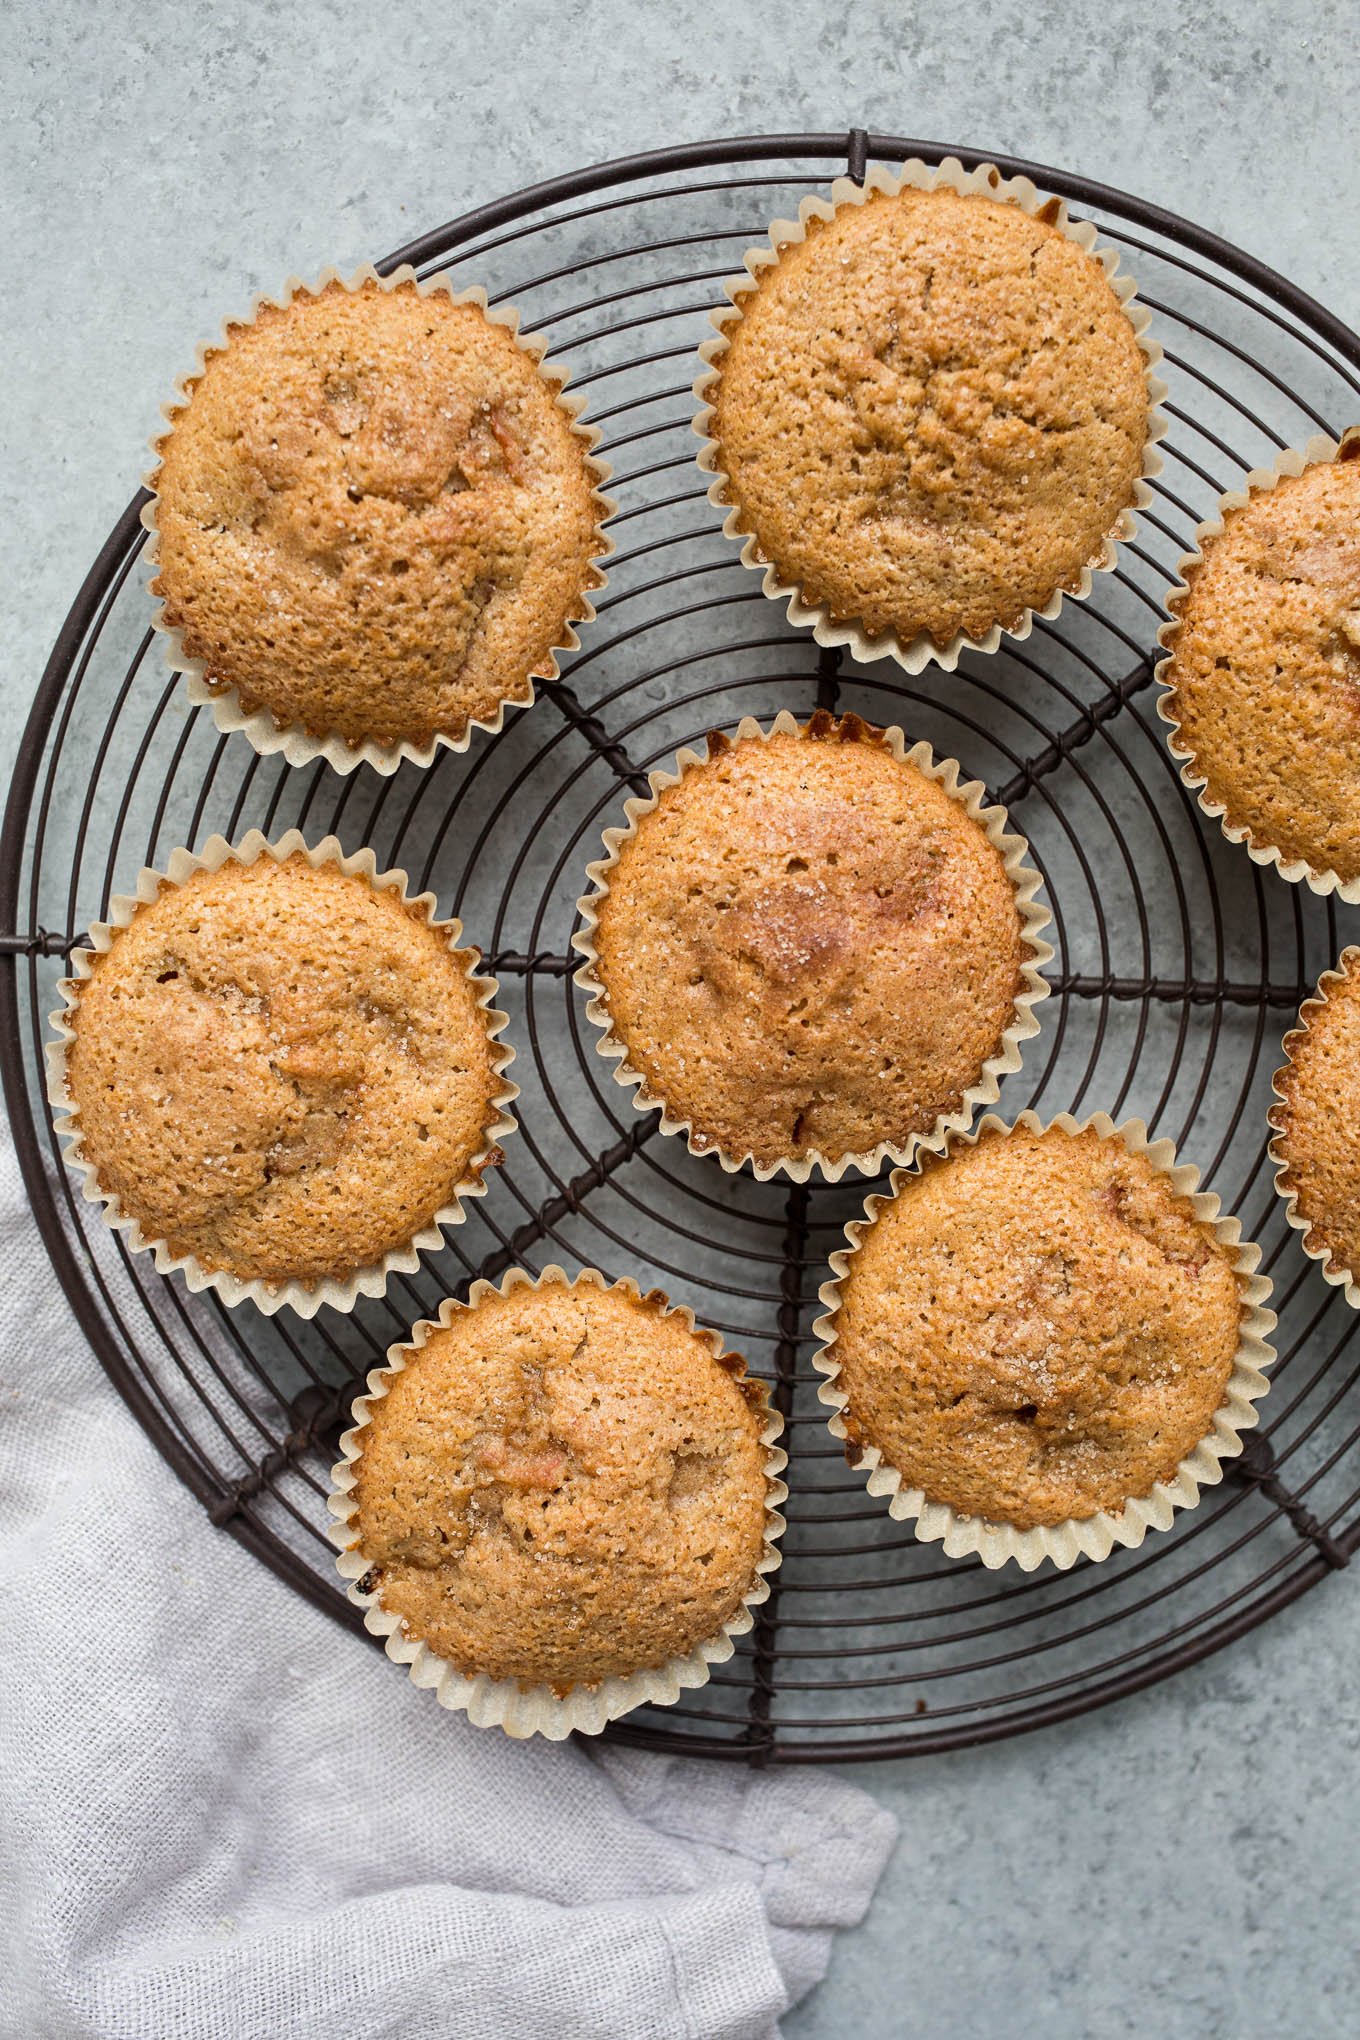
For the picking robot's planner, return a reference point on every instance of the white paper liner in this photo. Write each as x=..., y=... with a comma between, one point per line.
x=971, y=795
x=1310, y=1238
x=303, y=1298
x=1094, y=1537
x=1259, y=481
x=506, y=1703
x=986, y=180
x=298, y=746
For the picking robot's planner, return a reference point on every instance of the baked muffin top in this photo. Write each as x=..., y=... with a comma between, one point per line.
x=1265, y=667
x=932, y=413
x=375, y=518
x=281, y=1071
x=563, y=1485
x=1036, y=1328
x=808, y=946
x=1318, y=1123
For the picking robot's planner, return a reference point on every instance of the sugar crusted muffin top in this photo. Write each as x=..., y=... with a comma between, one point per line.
x=563, y=1485
x=375, y=520
x=932, y=412
x=281, y=1071
x=1265, y=666
x=1036, y=1328
x=808, y=945
x=1318, y=1123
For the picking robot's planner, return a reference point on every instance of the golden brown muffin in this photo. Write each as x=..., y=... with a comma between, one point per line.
x=1265, y=667
x=1036, y=1328
x=563, y=1485
x=281, y=1071
x=932, y=413
x=375, y=518
x=808, y=946
x=1317, y=1124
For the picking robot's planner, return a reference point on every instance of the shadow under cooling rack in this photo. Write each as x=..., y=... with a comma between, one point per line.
x=1179, y=966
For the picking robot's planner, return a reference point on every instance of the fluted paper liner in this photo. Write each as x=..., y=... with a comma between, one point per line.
x=987, y=181
x=300, y=746
x=304, y=1298
x=1259, y=481
x=523, y=1710
x=1096, y=1536
x=971, y=795
x=1310, y=1239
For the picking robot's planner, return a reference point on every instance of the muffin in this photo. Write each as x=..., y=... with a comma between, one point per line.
x=280, y=1072
x=1264, y=675
x=1044, y=1330
x=1316, y=1149
x=561, y=1493
x=376, y=521
x=811, y=948
x=929, y=411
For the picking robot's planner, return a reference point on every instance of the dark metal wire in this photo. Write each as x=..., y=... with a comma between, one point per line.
x=1179, y=965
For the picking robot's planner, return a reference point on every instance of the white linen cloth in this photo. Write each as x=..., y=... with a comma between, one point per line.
x=223, y=1819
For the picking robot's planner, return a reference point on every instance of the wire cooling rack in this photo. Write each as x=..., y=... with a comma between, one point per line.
x=1179, y=965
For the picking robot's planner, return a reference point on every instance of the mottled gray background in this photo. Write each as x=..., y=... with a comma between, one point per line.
x=1184, y=1864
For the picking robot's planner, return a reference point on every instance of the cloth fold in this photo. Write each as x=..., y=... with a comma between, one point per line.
x=222, y=1819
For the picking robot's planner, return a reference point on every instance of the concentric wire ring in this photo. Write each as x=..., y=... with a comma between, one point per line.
x=1179, y=966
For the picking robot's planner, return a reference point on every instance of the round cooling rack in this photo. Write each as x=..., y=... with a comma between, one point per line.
x=1179, y=965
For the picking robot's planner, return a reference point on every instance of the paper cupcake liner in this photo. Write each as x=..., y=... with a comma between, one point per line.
x=303, y=1298
x=519, y=1709
x=1094, y=1537
x=971, y=795
x=826, y=628
x=1290, y=462
x=299, y=746
x=1310, y=1239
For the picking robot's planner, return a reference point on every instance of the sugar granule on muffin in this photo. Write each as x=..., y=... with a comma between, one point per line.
x=1264, y=673
x=375, y=518
x=808, y=947
x=565, y=1484
x=281, y=1071
x=1317, y=1121
x=931, y=413
x=1036, y=1328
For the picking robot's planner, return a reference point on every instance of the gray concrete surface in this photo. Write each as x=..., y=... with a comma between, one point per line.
x=1184, y=1865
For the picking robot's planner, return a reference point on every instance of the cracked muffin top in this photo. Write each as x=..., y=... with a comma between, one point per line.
x=282, y=1071
x=563, y=1485
x=932, y=413
x=808, y=946
x=1318, y=1123
x=1265, y=666
x=1036, y=1328
x=375, y=518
